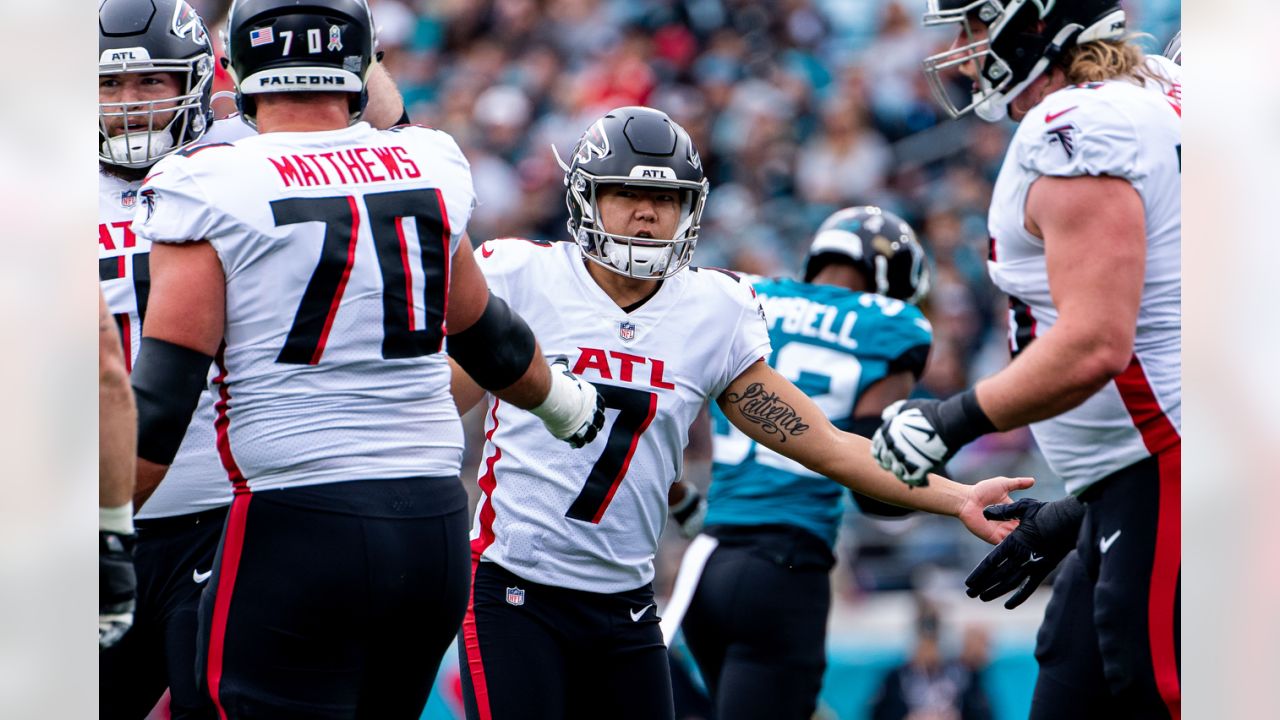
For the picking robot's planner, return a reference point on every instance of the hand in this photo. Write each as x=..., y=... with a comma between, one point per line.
x=990, y=492
x=587, y=416
x=117, y=587
x=908, y=443
x=1045, y=534
x=690, y=512
x=919, y=436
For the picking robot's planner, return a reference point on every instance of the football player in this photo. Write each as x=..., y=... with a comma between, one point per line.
x=851, y=338
x=1086, y=231
x=562, y=622
x=155, y=70
x=117, y=437
x=323, y=263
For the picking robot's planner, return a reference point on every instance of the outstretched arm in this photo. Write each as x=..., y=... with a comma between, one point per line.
x=775, y=413
x=499, y=353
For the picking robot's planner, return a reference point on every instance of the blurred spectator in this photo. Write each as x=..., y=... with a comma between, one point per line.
x=848, y=161
x=930, y=687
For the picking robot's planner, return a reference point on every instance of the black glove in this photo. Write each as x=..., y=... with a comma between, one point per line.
x=117, y=587
x=1045, y=534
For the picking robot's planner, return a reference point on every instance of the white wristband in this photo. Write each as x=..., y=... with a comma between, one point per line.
x=116, y=519
x=566, y=408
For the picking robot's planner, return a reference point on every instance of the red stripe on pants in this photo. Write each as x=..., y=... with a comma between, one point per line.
x=232, y=546
x=1161, y=618
x=471, y=641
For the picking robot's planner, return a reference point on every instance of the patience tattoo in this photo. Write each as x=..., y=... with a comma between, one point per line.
x=766, y=410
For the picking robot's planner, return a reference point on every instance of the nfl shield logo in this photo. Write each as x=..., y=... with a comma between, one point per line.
x=128, y=198
x=627, y=331
x=515, y=596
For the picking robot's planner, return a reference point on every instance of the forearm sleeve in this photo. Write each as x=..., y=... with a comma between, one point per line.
x=167, y=381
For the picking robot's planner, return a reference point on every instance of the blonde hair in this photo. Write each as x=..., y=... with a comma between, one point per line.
x=1101, y=60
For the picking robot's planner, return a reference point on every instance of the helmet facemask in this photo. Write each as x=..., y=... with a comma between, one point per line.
x=144, y=147
x=634, y=257
x=1012, y=54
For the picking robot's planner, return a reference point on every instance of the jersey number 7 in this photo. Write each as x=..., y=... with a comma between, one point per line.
x=387, y=213
x=637, y=408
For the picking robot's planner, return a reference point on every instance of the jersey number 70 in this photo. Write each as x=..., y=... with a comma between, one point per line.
x=387, y=213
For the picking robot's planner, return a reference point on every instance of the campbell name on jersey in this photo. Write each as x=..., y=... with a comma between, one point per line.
x=335, y=246
x=589, y=519
x=1121, y=129
x=196, y=480
x=833, y=343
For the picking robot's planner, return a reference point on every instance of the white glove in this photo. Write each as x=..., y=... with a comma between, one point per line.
x=573, y=410
x=907, y=444
x=690, y=512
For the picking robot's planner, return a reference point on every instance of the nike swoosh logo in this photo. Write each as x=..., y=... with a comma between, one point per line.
x=1050, y=117
x=1035, y=558
x=485, y=251
x=1106, y=542
x=637, y=614
x=200, y=577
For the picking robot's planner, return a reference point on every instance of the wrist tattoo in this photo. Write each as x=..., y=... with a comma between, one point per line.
x=764, y=408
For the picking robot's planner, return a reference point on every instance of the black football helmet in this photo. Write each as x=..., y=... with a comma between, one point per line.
x=277, y=46
x=643, y=147
x=1015, y=49
x=152, y=36
x=881, y=245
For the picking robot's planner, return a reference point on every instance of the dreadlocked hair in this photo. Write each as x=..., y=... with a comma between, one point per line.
x=1101, y=60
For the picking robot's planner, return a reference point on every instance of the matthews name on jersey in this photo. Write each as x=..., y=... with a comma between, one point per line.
x=832, y=343
x=589, y=519
x=335, y=246
x=1128, y=131
x=196, y=480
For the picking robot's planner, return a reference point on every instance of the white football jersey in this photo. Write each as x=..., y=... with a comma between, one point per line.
x=1121, y=129
x=336, y=248
x=589, y=519
x=196, y=480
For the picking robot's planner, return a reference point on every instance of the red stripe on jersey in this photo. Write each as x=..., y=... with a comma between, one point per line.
x=487, y=483
x=631, y=451
x=342, y=284
x=471, y=644
x=404, y=262
x=222, y=426
x=126, y=339
x=120, y=267
x=448, y=266
x=1158, y=433
x=1162, y=597
x=232, y=546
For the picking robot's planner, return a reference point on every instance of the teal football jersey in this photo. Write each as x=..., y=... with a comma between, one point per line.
x=833, y=344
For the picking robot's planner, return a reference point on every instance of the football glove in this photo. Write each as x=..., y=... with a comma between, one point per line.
x=573, y=410
x=1045, y=534
x=690, y=512
x=917, y=437
x=117, y=587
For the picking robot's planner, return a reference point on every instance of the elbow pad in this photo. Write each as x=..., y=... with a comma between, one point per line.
x=167, y=381
x=497, y=349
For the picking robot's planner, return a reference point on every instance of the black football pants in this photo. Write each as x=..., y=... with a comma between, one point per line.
x=335, y=601
x=536, y=652
x=1110, y=645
